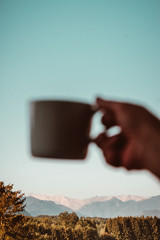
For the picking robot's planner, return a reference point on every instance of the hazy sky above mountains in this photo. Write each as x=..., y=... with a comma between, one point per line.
x=75, y=49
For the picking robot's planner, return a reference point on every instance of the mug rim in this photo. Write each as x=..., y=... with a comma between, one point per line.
x=38, y=101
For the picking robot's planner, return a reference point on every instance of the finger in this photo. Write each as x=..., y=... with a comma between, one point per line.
x=112, y=158
x=111, y=154
x=108, y=153
x=106, y=105
x=112, y=148
x=110, y=110
x=101, y=140
x=109, y=121
x=117, y=142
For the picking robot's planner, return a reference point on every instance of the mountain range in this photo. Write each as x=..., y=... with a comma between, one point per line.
x=37, y=207
x=76, y=204
x=97, y=206
x=115, y=207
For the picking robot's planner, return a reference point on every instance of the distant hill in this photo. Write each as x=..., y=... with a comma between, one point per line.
x=151, y=213
x=113, y=207
x=40, y=207
x=25, y=213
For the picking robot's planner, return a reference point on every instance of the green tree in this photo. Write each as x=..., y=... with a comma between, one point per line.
x=11, y=203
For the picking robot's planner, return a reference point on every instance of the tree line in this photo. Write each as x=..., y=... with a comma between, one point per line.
x=68, y=226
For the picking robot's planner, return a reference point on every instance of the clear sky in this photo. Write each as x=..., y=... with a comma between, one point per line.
x=75, y=49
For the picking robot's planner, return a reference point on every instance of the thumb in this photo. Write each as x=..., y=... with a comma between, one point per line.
x=101, y=102
x=107, y=105
x=101, y=140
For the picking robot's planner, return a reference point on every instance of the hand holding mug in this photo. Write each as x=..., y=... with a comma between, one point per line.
x=138, y=144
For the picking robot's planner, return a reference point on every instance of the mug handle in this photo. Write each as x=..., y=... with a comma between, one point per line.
x=94, y=109
x=111, y=132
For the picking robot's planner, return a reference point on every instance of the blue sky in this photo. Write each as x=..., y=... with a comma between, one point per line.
x=75, y=49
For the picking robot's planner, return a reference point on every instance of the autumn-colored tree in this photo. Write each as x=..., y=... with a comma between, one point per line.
x=68, y=219
x=11, y=203
x=156, y=228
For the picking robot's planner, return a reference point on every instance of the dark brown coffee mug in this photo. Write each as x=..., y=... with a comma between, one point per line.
x=60, y=129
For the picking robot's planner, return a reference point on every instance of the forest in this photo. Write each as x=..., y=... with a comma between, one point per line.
x=68, y=226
